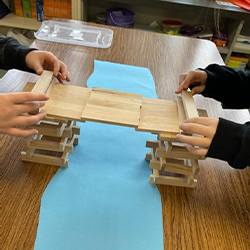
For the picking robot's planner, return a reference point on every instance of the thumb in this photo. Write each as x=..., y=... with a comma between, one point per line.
x=37, y=66
x=198, y=89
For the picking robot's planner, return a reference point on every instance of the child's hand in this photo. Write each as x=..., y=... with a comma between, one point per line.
x=11, y=108
x=197, y=78
x=42, y=60
x=200, y=125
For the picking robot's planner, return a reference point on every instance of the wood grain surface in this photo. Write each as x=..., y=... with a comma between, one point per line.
x=215, y=215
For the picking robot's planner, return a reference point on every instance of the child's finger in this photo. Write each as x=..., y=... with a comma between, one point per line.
x=186, y=82
x=200, y=120
x=63, y=70
x=28, y=97
x=28, y=107
x=23, y=121
x=21, y=133
x=195, y=128
x=198, y=89
x=195, y=141
x=197, y=151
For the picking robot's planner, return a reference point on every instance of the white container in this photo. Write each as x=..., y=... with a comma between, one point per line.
x=77, y=34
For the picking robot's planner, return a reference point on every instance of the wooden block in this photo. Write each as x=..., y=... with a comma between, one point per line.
x=46, y=144
x=152, y=144
x=174, y=181
x=177, y=166
x=189, y=104
x=49, y=128
x=113, y=107
x=181, y=111
x=166, y=137
x=168, y=146
x=176, y=152
x=45, y=159
x=154, y=164
x=66, y=101
x=148, y=156
x=151, y=179
x=70, y=132
x=202, y=112
x=44, y=82
x=44, y=85
x=159, y=116
x=195, y=167
x=126, y=96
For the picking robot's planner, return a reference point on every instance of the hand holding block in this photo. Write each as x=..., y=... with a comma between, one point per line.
x=44, y=85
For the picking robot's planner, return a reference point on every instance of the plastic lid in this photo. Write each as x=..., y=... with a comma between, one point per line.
x=78, y=34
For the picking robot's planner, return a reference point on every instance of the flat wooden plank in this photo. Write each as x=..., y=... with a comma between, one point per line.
x=113, y=107
x=159, y=116
x=46, y=159
x=189, y=104
x=175, y=181
x=44, y=83
x=181, y=110
x=67, y=101
x=176, y=152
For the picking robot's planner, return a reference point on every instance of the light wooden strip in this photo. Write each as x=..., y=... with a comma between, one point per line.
x=152, y=144
x=189, y=104
x=113, y=107
x=148, y=156
x=45, y=159
x=202, y=113
x=174, y=181
x=181, y=111
x=159, y=116
x=49, y=145
x=177, y=166
x=44, y=83
x=177, y=152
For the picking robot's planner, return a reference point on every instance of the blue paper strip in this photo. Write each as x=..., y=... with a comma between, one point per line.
x=104, y=201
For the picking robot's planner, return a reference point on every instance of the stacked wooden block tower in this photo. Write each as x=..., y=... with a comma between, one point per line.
x=56, y=137
x=170, y=161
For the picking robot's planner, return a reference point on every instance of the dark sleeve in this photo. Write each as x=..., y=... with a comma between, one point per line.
x=231, y=143
x=228, y=86
x=12, y=54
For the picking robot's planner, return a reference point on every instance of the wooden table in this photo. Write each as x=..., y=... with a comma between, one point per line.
x=215, y=215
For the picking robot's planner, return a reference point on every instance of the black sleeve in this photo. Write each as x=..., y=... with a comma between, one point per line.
x=12, y=54
x=228, y=86
x=231, y=143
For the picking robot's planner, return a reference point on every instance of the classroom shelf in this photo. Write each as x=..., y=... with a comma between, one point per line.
x=11, y=20
x=242, y=48
x=223, y=50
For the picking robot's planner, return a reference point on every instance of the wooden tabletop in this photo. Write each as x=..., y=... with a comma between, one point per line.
x=214, y=215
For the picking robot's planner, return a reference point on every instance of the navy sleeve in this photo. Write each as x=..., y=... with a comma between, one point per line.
x=228, y=86
x=231, y=141
x=12, y=54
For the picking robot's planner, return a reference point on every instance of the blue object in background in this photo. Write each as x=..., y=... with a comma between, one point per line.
x=104, y=201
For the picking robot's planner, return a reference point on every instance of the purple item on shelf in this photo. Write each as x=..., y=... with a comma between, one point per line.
x=189, y=30
x=221, y=35
x=125, y=20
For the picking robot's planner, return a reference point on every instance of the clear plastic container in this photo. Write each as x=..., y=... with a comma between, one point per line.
x=77, y=34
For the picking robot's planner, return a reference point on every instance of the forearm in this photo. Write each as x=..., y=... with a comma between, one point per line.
x=12, y=54
x=227, y=86
x=231, y=143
